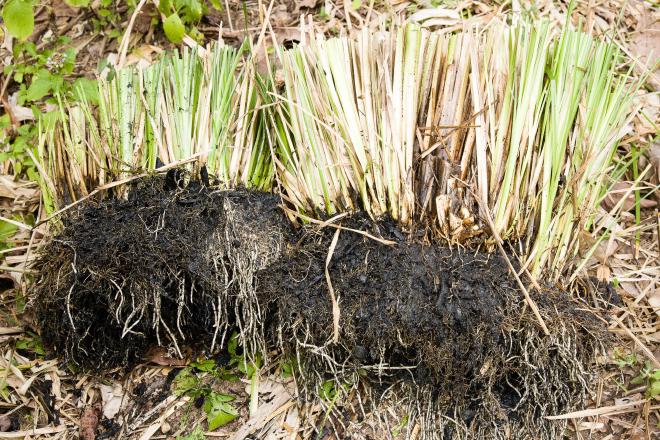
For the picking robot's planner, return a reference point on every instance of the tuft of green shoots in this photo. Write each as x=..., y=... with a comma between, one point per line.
x=425, y=126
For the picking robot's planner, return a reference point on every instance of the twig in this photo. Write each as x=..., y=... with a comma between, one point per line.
x=326, y=223
x=333, y=298
x=16, y=269
x=498, y=241
x=11, y=330
x=34, y=432
x=595, y=411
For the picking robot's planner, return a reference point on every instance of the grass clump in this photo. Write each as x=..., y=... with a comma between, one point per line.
x=424, y=137
x=424, y=126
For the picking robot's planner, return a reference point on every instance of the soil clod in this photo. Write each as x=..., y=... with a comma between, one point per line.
x=446, y=329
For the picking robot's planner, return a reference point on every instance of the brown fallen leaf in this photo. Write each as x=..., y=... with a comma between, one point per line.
x=620, y=190
x=144, y=17
x=305, y=4
x=61, y=8
x=654, y=301
x=89, y=422
x=159, y=356
x=645, y=45
x=653, y=154
x=143, y=55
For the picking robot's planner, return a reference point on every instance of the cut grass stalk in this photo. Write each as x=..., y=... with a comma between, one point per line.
x=406, y=122
x=528, y=49
x=180, y=107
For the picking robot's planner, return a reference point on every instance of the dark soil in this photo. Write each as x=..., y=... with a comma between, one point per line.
x=123, y=276
x=186, y=267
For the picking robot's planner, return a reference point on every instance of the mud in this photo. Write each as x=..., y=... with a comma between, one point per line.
x=183, y=268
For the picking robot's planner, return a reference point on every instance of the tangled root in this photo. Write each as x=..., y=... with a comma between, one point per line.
x=444, y=332
x=167, y=268
x=446, y=329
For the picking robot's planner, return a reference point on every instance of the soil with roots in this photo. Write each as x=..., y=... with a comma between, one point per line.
x=446, y=331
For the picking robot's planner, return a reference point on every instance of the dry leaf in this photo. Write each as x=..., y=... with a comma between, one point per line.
x=18, y=112
x=143, y=20
x=645, y=45
x=142, y=56
x=61, y=9
x=435, y=17
x=654, y=301
x=603, y=273
x=5, y=423
x=653, y=154
x=280, y=16
x=112, y=398
x=159, y=356
x=306, y=4
x=583, y=426
x=620, y=190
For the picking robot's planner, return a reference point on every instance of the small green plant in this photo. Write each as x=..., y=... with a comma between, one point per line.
x=651, y=378
x=187, y=383
x=182, y=16
x=244, y=365
x=108, y=19
x=330, y=390
x=401, y=426
x=41, y=78
x=217, y=406
x=624, y=360
x=31, y=343
x=7, y=230
x=41, y=74
x=18, y=16
x=286, y=368
x=195, y=434
x=218, y=410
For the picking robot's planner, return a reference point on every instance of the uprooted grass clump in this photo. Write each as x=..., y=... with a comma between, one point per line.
x=448, y=329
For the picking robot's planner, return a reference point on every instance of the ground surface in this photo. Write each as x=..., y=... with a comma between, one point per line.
x=44, y=398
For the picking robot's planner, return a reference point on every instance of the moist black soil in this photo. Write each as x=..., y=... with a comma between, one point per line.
x=186, y=267
x=123, y=276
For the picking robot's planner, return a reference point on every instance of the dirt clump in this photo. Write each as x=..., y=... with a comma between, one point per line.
x=159, y=268
x=446, y=329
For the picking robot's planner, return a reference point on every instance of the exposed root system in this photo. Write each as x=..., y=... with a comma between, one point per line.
x=168, y=268
x=445, y=331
